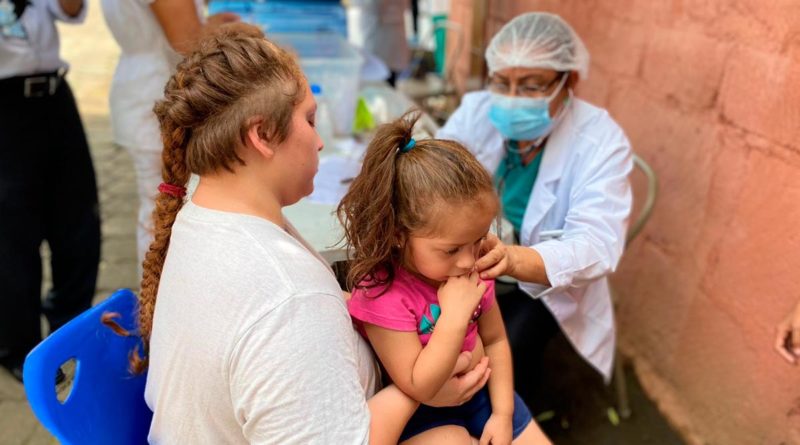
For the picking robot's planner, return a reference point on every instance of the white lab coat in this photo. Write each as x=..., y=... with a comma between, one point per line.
x=582, y=189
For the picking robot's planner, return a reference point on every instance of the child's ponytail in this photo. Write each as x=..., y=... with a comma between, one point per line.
x=367, y=212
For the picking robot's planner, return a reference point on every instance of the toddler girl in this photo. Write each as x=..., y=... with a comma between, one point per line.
x=414, y=220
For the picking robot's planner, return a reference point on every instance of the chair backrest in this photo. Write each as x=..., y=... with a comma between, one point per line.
x=106, y=404
x=649, y=201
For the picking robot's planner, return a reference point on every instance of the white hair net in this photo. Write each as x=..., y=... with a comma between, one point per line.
x=538, y=40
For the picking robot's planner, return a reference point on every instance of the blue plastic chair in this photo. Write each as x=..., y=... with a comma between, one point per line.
x=106, y=404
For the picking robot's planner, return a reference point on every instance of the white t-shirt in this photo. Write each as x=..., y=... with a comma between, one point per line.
x=145, y=64
x=29, y=44
x=251, y=340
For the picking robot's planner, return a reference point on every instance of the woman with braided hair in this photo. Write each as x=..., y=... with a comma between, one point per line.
x=246, y=333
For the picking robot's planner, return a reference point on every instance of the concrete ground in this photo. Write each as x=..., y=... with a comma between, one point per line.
x=578, y=396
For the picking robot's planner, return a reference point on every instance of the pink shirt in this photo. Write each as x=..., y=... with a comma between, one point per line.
x=410, y=304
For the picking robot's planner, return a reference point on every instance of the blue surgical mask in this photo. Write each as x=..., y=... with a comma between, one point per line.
x=522, y=118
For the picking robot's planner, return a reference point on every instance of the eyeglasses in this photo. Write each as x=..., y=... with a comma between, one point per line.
x=528, y=87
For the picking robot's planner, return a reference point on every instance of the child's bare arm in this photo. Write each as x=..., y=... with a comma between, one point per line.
x=495, y=343
x=417, y=371
x=421, y=372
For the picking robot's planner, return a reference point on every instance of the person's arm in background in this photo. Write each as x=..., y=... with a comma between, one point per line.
x=181, y=23
x=787, y=338
x=68, y=11
x=71, y=7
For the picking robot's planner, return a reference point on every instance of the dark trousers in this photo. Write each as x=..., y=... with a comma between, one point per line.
x=530, y=326
x=47, y=192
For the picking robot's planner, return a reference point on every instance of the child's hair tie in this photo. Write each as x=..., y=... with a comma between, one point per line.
x=172, y=190
x=409, y=146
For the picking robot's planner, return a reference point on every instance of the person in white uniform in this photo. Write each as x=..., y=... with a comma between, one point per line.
x=379, y=27
x=561, y=166
x=152, y=35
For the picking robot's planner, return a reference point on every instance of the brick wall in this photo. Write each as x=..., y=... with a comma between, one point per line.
x=709, y=93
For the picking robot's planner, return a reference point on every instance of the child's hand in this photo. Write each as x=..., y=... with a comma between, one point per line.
x=459, y=296
x=495, y=259
x=497, y=431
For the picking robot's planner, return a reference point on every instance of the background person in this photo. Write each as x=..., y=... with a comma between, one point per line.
x=47, y=181
x=380, y=29
x=152, y=35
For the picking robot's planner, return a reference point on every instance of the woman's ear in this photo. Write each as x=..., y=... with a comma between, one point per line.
x=256, y=139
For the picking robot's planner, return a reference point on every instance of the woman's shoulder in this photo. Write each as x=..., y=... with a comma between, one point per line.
x=240, y=247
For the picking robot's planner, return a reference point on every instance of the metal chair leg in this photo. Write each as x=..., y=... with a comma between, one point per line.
x=623, y=403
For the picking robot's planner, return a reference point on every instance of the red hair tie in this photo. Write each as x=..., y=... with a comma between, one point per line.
x=172, y=190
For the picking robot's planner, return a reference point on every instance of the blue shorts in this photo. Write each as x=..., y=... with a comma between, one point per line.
x=472, y=415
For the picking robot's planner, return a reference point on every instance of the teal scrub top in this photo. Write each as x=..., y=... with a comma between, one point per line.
x=515, y=182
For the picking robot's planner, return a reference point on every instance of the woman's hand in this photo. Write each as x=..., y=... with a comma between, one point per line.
x=462, y=385
x=496, y=258
x=787, y=338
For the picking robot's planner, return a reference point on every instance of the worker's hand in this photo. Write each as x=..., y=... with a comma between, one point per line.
x=495, y=258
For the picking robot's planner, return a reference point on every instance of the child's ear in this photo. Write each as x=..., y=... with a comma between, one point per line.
x=400, y=239
x=256, y=138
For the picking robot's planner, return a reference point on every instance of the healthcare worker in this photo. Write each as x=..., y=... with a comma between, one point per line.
x=561, y=166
